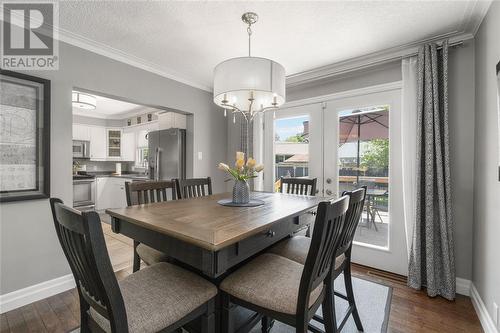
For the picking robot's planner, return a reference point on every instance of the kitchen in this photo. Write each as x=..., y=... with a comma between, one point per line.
x=111, y=144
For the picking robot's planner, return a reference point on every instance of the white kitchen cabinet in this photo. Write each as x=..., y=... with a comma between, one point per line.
x=81, y=132
x=172, y=120
x=110, y=193
x=97, y=143
x=114, y=143
x=103, y=193
x=119, y=199
x=128, y=146
x=141, y=138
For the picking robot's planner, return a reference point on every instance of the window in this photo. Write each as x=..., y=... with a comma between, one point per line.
x=291, y=146
x=142, y=157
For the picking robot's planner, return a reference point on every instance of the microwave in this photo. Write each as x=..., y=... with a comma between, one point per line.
x=81, y=149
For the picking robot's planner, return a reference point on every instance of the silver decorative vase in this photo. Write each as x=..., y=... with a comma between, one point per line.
x=241, y=192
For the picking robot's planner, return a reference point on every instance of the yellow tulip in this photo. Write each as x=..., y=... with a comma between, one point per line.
x=251, y=162
x=240, y=155
x=239, y=163
x=259, y=168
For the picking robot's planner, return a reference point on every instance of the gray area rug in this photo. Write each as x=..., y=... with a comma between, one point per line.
x=372, y=299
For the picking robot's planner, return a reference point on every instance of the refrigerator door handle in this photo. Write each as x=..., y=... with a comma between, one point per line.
x=157, y=167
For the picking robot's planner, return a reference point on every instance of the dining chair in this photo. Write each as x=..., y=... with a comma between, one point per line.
x=297, y=248
x=301, y=186
x=162, y=297
x=139, y=193
x=193, y=188
x=282, y=289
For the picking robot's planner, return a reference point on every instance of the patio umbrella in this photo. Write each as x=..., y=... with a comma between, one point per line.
x=360, y=126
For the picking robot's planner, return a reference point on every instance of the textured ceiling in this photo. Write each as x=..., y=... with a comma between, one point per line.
x=187, y=39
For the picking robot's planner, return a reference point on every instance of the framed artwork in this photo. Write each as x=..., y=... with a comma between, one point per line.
x=498, y=107
x=24, y=137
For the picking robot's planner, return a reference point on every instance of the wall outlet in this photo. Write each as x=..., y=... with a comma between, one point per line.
x=496, y=314
x=200, y=155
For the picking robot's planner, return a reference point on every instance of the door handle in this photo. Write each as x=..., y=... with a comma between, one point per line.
x=329, y=192
x=328, y=180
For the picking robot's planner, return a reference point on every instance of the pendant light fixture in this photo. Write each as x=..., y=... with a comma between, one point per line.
x=83, y=101
x=249, y=85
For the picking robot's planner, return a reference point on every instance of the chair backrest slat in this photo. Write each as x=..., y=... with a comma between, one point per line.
x=193, y=188
x=356, y=204
x=325, y=240
x=143, y=192
x=82, y=240
x=301, y=186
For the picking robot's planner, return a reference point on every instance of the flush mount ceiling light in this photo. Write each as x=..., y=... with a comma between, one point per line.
x=83, y=101
x=249, y=85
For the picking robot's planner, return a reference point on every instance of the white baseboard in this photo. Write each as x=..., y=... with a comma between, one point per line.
x=463, y=286
x=482, y=312
x=21, y=297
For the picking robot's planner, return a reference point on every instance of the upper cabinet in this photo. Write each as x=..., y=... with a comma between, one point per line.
x=114, y=143
x=128, y=146
x=97, y=143
x=81, y=132
x=172, y=120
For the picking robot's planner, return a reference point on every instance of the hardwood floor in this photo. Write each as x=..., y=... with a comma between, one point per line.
x=411, y=311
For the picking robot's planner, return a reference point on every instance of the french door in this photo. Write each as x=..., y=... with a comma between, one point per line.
x=347, y=142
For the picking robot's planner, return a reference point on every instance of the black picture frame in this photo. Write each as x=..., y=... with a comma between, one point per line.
x=25, y=154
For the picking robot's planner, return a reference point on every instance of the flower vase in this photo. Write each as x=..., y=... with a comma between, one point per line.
x=241, y=192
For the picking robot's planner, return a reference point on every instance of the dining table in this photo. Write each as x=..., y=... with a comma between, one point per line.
x=213, y=240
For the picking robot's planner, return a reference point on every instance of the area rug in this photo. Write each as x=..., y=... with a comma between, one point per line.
x=372, y=299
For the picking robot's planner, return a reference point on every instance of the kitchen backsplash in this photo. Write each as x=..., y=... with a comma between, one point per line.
x=104, y=165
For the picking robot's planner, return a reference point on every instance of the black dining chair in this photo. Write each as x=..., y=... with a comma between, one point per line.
x=162, y=297
x=283, y=289
x=297, y=249
x=145, y=192
x=300, y=186
x=193, y=188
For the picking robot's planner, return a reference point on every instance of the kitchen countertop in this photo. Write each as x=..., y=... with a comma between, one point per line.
x=139, y=176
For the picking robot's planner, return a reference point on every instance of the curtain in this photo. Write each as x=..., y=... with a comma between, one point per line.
x=409, y=144
x=432, y=262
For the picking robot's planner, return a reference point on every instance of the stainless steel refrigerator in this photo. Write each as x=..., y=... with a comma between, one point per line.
x=167, y=154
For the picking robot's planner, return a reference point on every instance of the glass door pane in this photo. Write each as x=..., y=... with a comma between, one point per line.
x=291, y=148
x=364, y=161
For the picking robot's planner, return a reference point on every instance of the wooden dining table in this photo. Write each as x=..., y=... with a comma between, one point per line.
x=214, y=240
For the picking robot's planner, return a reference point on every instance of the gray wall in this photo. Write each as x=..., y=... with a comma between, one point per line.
x=30, y=252
x=486, y=268
x=461, y=122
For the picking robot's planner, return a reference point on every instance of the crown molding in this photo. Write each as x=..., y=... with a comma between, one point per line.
x=369, y=60
x=124, y=57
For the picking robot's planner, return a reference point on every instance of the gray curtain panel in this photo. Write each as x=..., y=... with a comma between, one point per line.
x=432, y=260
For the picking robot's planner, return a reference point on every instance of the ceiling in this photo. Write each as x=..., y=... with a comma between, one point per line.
x=184, y=40
x=108, y=108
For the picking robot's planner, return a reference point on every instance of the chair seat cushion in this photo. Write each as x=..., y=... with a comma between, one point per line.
x=269, y=281
x=296, y=248
x=149, y=255
x=158, y=296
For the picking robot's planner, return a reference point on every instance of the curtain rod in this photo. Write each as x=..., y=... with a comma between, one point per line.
x=440, y=47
